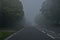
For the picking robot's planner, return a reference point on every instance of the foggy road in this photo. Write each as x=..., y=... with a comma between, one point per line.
x=31, y=10
x=30, y=33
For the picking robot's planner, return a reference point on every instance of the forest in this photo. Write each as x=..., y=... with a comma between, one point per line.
x=11, y=12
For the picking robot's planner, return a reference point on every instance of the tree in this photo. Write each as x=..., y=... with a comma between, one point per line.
x=12, y=12
x=50, y=13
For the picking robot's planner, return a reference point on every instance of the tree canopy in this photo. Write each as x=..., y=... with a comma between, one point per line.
x=50, y=13
x=11, y=12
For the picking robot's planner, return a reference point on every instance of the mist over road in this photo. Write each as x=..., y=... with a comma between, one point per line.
x=31, y=9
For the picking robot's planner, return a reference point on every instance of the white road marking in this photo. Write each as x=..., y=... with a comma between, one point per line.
x=46, y=33
x=14, y=34
x=43, y=31
x=51, y=36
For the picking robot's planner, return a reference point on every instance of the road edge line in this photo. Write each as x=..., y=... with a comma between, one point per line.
x=46, y=34
x=50, y=36
x=13, y=34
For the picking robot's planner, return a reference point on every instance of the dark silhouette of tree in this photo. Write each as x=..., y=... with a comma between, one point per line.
x=50, y=13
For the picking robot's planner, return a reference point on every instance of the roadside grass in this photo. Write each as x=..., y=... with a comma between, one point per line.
x=4, y=33
x=52, y=27
x=55, y=27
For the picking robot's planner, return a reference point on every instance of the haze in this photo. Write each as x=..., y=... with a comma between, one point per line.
x=31, y=9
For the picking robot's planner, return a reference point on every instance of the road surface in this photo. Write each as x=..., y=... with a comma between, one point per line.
x=30, y=33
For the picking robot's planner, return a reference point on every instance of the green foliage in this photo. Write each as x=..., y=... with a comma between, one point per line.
x=12, y=12
x=3, y=35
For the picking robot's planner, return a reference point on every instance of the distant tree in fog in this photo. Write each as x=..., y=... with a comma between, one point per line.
x=49, y=13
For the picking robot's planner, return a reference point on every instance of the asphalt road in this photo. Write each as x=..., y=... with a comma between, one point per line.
x=30, y=33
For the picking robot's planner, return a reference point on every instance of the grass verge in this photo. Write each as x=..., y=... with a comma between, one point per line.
x=3, y=35
x=5, y=32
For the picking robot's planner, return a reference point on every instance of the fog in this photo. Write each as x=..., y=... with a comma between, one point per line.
x=31, y=9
